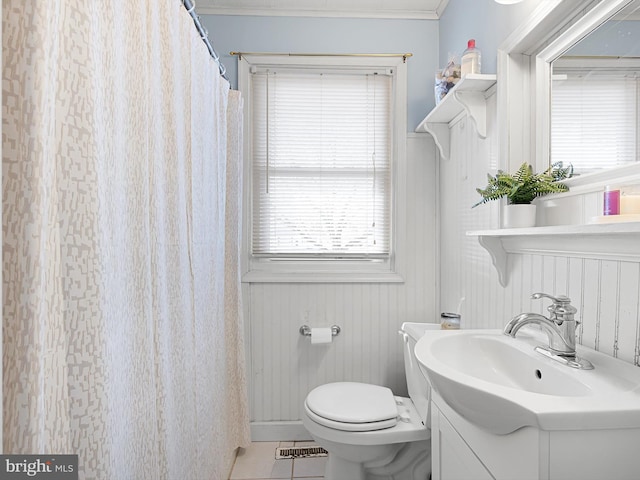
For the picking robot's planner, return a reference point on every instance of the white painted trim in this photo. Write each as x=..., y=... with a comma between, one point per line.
x=281, y=431
x=591, y=182
x=513, y=109
x=345, y=13
x=581, y=28
x=256, y=276
x=441, y=7
x=244, y=68
x=529, y=34
x=389, y=271
x=542, y=114
x=438, y=264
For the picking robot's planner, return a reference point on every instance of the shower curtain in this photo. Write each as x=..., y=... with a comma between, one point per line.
x=122, y=328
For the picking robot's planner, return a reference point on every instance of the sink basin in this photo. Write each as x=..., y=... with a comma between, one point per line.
x=501, y=384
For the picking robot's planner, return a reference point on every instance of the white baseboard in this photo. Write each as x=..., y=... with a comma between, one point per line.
x=279, y=431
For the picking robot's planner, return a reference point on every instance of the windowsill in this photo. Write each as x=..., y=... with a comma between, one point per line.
x=261, y=276
x=355, y=270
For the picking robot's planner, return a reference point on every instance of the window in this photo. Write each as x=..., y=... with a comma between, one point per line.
x=323, y=157
x=321, y=164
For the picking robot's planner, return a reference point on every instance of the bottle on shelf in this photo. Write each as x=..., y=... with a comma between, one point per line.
x=471, y=59
x=611, y=203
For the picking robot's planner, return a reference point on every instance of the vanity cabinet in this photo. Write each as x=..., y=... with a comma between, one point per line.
x=455, y=459
x=463, y=451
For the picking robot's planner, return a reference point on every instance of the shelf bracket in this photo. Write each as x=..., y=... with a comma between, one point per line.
x=440, y=134
x=475, y=106
x=498, y=254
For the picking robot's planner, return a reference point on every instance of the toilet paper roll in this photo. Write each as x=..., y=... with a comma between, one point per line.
x=321, y=335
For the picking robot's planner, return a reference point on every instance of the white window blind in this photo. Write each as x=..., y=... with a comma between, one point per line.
x=594, y=121
x=321, y=164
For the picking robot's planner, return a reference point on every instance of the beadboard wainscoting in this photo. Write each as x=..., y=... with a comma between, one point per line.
x=606, y=292
x=283, y=364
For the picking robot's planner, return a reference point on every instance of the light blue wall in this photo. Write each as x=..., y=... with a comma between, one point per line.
x=335, y=35
x=430, y=41
x=488, y=22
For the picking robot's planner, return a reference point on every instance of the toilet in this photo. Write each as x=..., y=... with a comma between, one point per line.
x=370, y=433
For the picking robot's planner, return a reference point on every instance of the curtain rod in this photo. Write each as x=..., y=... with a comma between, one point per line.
x=403, y=55
x=190, y=5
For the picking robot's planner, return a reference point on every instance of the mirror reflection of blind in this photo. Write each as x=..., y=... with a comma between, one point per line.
x=594, y=121
x=321, y=161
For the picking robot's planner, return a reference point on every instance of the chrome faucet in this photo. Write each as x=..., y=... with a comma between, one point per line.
x=560, y=328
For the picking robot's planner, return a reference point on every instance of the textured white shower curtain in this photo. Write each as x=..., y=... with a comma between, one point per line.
x=122, y=329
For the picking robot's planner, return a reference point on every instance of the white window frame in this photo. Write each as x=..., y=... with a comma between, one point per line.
x=266, y=270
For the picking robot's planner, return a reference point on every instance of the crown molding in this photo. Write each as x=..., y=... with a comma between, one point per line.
x=393, y=9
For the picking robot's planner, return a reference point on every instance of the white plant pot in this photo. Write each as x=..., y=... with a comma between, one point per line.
x=519, y=216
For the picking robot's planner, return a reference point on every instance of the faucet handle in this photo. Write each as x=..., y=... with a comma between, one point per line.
x=558, y=300
x=561, y=308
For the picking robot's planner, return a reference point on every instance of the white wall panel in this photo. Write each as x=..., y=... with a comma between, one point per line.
x=284, y=366
x=605, y=292
x=629, y=310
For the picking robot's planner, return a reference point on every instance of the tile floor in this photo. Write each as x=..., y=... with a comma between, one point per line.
x=257, y=462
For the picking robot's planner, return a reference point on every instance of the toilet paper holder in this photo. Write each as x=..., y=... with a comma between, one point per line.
x=306, y=330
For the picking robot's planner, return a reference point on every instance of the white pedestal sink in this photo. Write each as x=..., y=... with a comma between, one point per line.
x=501, y=384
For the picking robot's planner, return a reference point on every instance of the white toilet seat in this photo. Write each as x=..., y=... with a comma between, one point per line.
x=349, y=427
x=352, y=406
x=408, y=428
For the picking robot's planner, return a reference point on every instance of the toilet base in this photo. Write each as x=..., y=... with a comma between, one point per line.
x=398, y=461
x=412, y=462
x=338, y=468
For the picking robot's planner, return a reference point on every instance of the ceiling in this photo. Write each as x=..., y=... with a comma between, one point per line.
x=413, y=9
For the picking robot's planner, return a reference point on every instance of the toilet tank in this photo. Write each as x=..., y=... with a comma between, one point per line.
x=417, y=384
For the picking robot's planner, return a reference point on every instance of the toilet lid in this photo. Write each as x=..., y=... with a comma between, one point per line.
x=351, y=402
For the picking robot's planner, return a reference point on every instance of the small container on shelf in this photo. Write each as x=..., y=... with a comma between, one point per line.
x=471, y=59
x=450, y=321
x=611, y=201
x=630, y=200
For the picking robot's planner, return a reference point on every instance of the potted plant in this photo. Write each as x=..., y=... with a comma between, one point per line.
x=521, y=189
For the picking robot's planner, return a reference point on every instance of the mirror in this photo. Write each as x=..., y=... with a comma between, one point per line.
x=595, y=100
x=524, y=84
